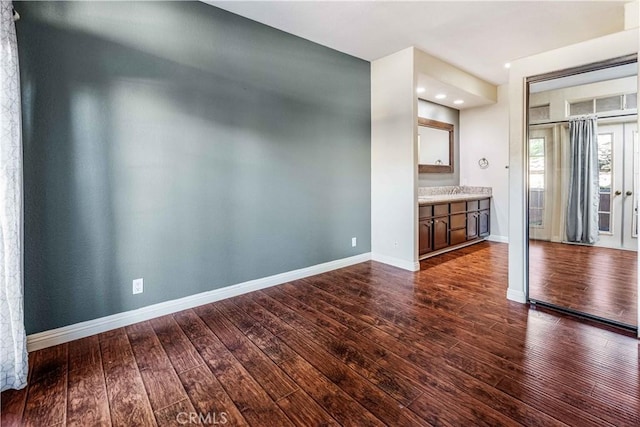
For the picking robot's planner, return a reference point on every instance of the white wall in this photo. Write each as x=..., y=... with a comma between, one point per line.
x=484, y=132
x=631, y=15
x=394, y=151
x=600, y=49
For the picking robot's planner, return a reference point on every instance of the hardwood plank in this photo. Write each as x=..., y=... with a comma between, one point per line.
x=372, y=398
x=346, y=410
x=556, y=408
x=12, y=407
x=83, y=352
x=261, y=337
x=209, y=397
x=304, y=411
x=182, y=354
x=87, y=403
x=328, y=396
x=47, y=399
x=251, y=399
x=47, y=390
x=357, y=354
x=262, y=369
x=49, y=361
x=128, y=401
x=179, y=414
x=160, y=379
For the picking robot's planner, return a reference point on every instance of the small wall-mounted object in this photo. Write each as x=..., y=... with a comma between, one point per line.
x=483, y=163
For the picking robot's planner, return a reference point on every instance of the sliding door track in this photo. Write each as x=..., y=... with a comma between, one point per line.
x=535, y=303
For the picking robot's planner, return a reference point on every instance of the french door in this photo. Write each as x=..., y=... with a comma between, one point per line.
x=618, y=163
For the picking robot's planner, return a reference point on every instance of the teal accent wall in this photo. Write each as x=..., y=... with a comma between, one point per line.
x=180, y=143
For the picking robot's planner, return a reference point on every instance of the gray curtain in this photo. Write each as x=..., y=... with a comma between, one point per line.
x=584, y=191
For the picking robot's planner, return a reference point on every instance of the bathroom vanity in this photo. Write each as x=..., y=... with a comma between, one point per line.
x=452, y=217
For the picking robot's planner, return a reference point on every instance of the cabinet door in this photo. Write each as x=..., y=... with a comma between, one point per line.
x=440, y=232
x=484, y=225
x=425, y=237
x=472, y=225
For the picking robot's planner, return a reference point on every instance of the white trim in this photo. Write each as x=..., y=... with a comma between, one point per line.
x=496, y=238
x=76, y=331
x=396, y=262
x=516, y=295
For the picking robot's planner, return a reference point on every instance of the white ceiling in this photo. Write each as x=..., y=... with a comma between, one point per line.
x=476, y=36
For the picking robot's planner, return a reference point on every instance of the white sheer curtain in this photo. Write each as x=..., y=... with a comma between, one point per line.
x=13, y=347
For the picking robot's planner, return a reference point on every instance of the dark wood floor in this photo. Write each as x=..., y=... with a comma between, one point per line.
x=598, y=281
x=362, y=346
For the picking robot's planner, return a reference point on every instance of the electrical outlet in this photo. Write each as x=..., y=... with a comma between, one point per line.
x=138, y=286
x=354, y=242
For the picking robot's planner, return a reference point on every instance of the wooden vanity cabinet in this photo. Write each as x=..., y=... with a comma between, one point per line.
x=484, y=218
x=425, y=229
x=458, y=223
x=448, y=225
x=440, y=232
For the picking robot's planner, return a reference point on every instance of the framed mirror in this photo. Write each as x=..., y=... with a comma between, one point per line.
x=435, y=146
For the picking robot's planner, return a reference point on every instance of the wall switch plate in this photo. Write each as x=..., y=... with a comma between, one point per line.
x=138, y=286
x=354, y=242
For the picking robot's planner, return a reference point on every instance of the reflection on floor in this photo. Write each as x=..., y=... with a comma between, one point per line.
x=593, y=280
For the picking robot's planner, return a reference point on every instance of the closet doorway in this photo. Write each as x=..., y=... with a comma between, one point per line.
x=582, y=158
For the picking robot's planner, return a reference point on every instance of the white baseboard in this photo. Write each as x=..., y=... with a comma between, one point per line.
x=517, y=296
x=396, y=262
x=500, y=239
x=76, y=331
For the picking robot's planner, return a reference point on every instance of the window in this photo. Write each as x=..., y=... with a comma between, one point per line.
x=536, y=182
x=610, y=103
x=605, y=166
x=539, y=113
x=605, y=104
x=582, y=107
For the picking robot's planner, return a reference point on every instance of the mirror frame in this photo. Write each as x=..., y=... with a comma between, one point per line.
x=448, y=127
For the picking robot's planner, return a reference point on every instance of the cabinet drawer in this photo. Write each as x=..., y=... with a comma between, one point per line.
x=458, y=221
x=484, y=203
x=425, y=211
x=458, y=207
x=441, y=209
x=458, y=236
x=472, y=205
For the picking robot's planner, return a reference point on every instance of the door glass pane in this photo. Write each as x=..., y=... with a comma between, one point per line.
x=605, y=166
x=536, y=182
